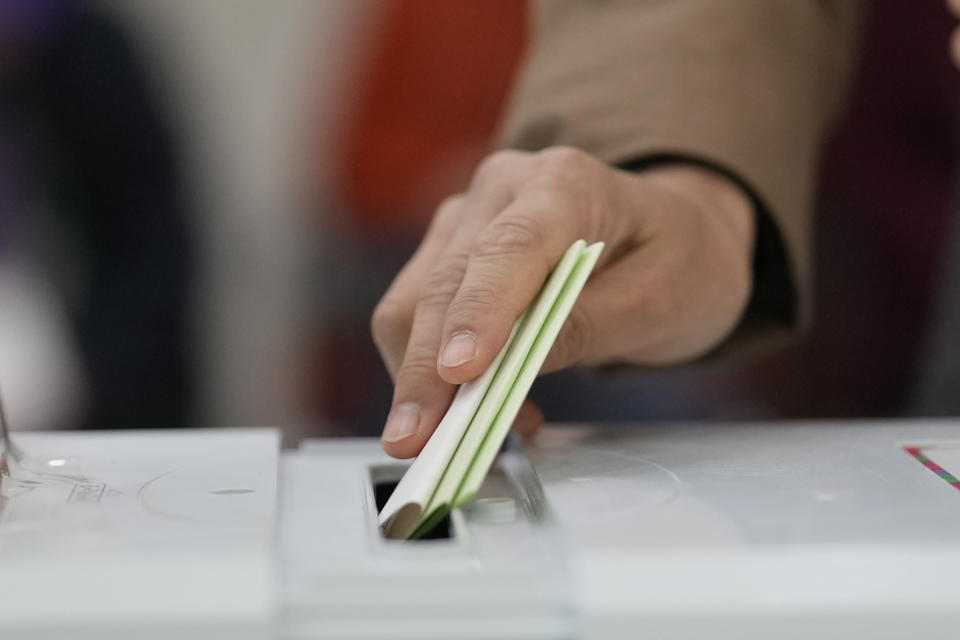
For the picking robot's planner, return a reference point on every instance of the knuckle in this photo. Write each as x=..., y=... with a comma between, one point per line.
x=433, y=300
x=445, y=279
x=565, y=160
x=478, y=300
x=389, y=317
x=418, y=370
x=448, y=213
x=573, y=184
x=516, y=234
x=497, y=161
x=497, y=164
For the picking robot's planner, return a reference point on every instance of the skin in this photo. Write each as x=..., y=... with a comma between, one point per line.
x=954, y=7
x=671, y=284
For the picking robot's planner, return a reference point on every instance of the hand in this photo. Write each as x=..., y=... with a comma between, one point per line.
x=672, y=282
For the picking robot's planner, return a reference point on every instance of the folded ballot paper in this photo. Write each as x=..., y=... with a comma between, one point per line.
x=452, y=466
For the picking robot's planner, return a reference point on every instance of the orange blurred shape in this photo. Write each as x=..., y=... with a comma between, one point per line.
x=428, y=101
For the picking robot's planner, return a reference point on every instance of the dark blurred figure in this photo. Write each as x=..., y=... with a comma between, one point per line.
x=888, y=193
x=89, y=182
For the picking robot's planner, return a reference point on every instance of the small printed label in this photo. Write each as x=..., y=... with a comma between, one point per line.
x=87, y=492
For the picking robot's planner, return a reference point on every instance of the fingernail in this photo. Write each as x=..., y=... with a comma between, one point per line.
x=460, y=348
x=402, y=422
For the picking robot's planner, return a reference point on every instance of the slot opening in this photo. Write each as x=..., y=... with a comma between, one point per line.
x=382, y=489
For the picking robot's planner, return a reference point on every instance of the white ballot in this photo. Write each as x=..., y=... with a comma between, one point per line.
x=455, y=460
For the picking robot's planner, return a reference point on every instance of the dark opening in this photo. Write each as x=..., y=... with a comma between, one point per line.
x=382, y=491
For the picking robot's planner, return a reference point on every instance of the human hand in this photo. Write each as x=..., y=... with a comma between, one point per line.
x=672, y=283
x=954, y=7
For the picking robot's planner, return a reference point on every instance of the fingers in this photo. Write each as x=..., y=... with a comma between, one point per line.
x=393, y=316
x=421, y=396
x=510, y=261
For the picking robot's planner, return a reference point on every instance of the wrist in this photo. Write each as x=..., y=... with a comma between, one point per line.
x=704, y=225
x=710, y=193
x=739, y=227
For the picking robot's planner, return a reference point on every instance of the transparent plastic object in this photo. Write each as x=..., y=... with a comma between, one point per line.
x=44, y=479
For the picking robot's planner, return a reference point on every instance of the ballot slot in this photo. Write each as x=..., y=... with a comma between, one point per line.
x=510, y=498
x=384, y=478
x=339, y=573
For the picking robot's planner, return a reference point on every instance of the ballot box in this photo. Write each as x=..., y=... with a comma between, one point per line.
x=727, y=530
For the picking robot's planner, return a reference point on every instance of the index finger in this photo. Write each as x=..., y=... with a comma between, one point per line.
x=511, y=260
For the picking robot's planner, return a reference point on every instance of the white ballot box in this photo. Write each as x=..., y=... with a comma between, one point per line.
x=721, y=531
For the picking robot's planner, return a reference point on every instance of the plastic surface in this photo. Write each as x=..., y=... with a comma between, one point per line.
x=719, y=531
x=494, y=578
x=164, y=534
x=800, y=530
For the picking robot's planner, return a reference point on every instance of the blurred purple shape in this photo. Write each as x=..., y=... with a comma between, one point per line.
x=25, y=21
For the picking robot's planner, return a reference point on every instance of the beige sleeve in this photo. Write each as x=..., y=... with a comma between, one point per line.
x=747, y=86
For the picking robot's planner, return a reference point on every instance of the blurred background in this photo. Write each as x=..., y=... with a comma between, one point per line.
x=201, y=202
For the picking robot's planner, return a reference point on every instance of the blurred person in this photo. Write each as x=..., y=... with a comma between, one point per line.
x=937, y=392
x=887, y=191
x=685, y=136
x=92, y=204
